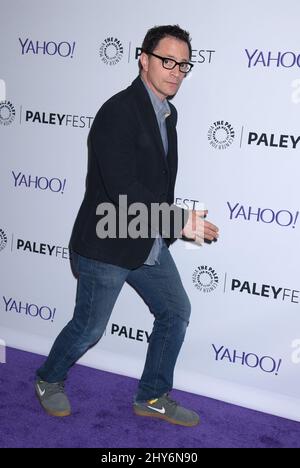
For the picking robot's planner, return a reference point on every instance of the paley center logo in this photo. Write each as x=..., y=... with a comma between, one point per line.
x=267, y=59
x=36, y=47
x=205, y=279
x=111, y=51
x=221, y=134
x=3, y=240
x=7, y=113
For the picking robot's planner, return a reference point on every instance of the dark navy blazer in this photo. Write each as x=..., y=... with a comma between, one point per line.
x=126, y=157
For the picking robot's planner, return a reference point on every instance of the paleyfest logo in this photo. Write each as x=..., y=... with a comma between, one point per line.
x=111, y=51
x=42, y=248
x=273, y=140
x=221, y=134
x=268, y=291
x=7, y=113
x=198, y=55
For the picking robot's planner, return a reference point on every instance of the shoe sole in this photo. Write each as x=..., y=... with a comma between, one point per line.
x=59, y=414
x=165, y=418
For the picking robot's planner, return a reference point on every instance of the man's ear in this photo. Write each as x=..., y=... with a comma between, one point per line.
x=144, y=59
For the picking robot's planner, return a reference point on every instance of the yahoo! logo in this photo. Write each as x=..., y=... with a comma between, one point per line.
x=265, y=363
x=283, y=218
x=286, y=59
x=42, y=183
x=29, y=310
x=63, y=49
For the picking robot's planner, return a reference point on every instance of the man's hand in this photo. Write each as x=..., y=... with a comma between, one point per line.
x=197, y=229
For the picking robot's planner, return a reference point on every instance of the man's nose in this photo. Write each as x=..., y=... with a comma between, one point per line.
x=175, y=71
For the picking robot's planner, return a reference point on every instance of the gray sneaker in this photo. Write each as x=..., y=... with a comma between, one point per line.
x=168, y=409
x=53, y=398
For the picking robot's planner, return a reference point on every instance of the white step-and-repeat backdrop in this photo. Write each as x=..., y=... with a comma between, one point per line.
x=239, y=150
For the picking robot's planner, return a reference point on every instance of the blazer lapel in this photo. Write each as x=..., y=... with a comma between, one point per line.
x=172, y=150
x=147, y=109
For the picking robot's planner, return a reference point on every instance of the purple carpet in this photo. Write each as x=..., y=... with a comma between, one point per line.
x=103, y=417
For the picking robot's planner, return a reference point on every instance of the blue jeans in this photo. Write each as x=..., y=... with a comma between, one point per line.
x=99, y=285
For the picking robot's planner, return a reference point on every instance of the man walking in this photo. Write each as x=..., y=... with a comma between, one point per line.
x=133, y=153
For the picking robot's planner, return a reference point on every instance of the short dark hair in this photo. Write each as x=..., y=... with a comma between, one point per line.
x=155, y=34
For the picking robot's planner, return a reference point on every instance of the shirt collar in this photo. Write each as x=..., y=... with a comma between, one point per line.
x=161, y=108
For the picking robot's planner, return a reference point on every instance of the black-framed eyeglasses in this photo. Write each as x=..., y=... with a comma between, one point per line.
x=170, y=64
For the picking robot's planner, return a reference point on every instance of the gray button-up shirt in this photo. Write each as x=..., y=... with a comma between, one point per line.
x=162, y=111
